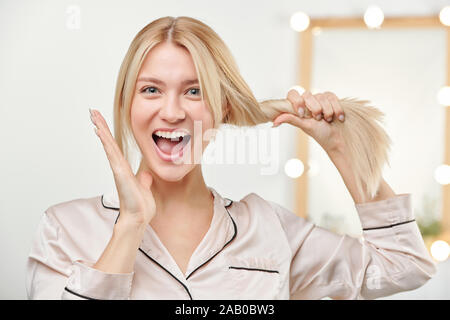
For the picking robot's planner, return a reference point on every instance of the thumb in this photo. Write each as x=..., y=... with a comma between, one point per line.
x=302, y=123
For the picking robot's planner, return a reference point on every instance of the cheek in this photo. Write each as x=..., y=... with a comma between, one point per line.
x=203, y=116
x=139, y=118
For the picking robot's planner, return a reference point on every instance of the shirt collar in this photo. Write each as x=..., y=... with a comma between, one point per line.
x=110, y=199
x=221, y=232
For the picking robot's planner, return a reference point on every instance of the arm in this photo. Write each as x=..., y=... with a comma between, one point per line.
x=342, y=163
x=390, y=257
x=120, y=253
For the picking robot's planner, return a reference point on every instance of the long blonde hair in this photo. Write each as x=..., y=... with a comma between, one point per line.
x=232, y=102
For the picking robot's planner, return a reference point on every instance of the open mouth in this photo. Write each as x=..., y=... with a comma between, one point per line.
x=170, y=145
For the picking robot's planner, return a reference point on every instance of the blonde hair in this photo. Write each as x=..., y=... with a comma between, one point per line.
x=232, y=102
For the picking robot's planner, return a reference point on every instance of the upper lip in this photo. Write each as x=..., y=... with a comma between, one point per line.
x=171, y=130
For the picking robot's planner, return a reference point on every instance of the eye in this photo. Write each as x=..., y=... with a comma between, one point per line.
x=196, y=93
x=152, y=90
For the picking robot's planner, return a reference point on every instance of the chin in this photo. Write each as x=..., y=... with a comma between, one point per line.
x=172, y=176
x=171, y=173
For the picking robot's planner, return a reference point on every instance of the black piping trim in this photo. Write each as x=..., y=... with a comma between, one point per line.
x=112, y=208
x=390, y=226
x=232, y=238
x=79, y=295
x=253, y=269
x=117, y=209
x=184, y=286
x=229, y=204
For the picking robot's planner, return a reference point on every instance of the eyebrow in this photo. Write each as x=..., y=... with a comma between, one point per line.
x=151, y=79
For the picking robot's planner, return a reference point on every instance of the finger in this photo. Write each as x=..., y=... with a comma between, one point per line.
x=313, y=105
x=297, y=101
x=327, y=108
x=103, y=133
x=338, y=111
x=116, y=159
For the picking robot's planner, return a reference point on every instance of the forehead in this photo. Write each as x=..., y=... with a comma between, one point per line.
x=168, y=60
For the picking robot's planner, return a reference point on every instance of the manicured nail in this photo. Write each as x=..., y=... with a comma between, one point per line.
x=341, y=117
x=91, y=116
x=301, y=112
x=319, y=117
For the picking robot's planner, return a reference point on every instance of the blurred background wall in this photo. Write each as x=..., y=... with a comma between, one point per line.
x=53, y=68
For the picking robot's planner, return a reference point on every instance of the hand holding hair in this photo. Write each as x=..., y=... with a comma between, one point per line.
x=359, y=136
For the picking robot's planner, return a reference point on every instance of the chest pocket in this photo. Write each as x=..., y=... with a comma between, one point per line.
x=254, y=277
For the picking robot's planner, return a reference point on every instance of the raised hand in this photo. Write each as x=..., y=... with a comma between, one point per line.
x=137, y=204
x=317, y=116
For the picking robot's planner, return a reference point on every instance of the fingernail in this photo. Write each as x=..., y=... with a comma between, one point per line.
x=91, y=116
x=275, y=125
x=341, y=117
x=329, y=119
x=319, y=117
x=301, y=112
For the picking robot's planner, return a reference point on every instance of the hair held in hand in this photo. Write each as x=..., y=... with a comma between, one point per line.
x=367, y=143
x=232, y=102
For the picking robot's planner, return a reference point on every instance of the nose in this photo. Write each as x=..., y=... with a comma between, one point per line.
x=171, y=111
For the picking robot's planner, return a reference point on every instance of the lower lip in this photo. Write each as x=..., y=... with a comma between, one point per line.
x=169, y=157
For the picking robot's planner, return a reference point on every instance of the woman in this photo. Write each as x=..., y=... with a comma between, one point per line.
x=176, y=237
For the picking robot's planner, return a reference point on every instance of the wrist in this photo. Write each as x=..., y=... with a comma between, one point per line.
x=120, y=253
x=129, y=228
x=338, y=151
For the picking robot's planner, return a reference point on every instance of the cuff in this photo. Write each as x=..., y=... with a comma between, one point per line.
x=385, y=213
x=89, y=283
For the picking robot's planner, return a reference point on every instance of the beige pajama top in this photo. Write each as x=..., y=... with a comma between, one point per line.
x=254, y=249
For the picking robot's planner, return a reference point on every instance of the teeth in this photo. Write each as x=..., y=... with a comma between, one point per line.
x=170, y=135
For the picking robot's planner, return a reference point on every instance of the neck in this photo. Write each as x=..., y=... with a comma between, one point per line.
x=190, y=192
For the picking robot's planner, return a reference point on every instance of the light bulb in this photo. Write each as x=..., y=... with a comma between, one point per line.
x=373, y=17
x=294, y=168
x=444, y=16
x=299, y=21
x=440, y=250
x=443, y=96
x=299, y=89
x=442, y=174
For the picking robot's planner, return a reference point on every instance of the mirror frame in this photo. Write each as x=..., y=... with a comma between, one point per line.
x=304, y=79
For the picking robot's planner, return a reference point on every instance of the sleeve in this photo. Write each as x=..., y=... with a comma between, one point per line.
x=390, y=256
x=52, y=274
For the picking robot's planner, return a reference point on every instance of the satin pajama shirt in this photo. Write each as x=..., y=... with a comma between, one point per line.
x=253, y=249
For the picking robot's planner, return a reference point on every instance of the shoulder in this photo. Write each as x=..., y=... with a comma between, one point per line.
x=73, y=230
x=85, y=213
x=255, y=206
x=260, y=205
x=290, y=222
x=255, y=202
